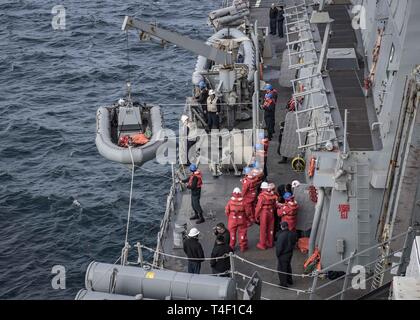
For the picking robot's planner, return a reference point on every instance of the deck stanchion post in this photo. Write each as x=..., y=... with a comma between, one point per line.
x=314, y=283
x=346, y=279
x=140, y=260
x=232, y=265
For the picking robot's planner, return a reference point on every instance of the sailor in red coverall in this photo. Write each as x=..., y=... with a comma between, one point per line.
x=264, y=213
x=249, y=194
x=288, y=211
x=237, y=220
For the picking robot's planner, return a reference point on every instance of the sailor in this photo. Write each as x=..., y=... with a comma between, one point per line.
x=282, y=159
x=265, y=143
x=280, y=21
x=194, y=251
x=249, y=194
x=220, y=230
x=285, y=244
x=288, y=210
x=269, y=89
x=192, y=135
x=264, y=214
x=221, y=250
x=202, y=95
x=273, y=18
x=213, y=110
x=269, y=114
x=195, y=181
x=237, y=220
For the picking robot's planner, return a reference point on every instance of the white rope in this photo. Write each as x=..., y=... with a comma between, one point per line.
x=273, y=270
x=131, y=196
x=298, y=291
x=185, y=258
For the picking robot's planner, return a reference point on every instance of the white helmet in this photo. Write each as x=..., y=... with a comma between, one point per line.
x=237, y=191
x=264, y=185
x=184, y=118
x=295, y=184
x=212, y=92
x=121, y=101
x=193, y=232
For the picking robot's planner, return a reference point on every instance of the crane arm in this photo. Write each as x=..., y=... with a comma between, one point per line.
x=196, y=46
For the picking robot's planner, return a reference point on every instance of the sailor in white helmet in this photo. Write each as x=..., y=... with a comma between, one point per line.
x=194, y=251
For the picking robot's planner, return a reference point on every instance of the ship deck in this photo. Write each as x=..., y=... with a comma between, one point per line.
x=217, y=191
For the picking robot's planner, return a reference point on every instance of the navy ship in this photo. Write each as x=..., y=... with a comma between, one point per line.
x=347, y=75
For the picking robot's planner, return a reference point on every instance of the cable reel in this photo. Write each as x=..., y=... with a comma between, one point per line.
x=298, y=164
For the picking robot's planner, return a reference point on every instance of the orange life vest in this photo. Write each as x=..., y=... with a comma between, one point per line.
x=139, y=138
x=199, y=177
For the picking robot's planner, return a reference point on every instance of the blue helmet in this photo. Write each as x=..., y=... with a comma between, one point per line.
x=269, y=96
x=268, y=87
x=287, y=196
x=193, y=167
x=259, y=146
x=247, y=170
x=202, y=84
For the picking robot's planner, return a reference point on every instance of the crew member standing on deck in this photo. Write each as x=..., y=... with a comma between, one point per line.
x=269, y=108
x=288, y=210
x=213, y=110
x=195, y=181
x=249, y=194
x=194, y=251
x=273, y=18
x=237, y=221
x=202, y=95
x=285, y=244
x=280, y=21
x=264, y=213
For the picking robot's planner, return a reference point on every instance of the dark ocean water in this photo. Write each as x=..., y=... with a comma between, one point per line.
x=61, y=203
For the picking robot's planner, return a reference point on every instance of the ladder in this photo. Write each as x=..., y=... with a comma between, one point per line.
x=363, y=211
x=309, y=90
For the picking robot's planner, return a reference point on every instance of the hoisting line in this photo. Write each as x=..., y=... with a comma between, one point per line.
x=131, y=195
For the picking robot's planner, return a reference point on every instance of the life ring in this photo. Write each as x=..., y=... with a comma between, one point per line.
x=298, y=164
x=311, y=170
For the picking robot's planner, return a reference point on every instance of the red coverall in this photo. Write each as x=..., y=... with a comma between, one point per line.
x=237, y=221
x=249, y=194
x=264, y=212
x=288, y=212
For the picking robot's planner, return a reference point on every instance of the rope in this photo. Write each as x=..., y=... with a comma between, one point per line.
x=131, y=196
x=298, y=291
x=184, y=258
x=273, y=270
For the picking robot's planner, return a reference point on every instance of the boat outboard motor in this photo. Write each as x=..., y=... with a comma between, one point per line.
x=129, y=119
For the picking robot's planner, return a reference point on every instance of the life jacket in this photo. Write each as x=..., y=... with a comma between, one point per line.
x=249, y=186
x=199, y=177
x=235, y=208
x=139, y=139
x=313, y=262
x=288, y=212
x=124, y=141
x=275, y=94
x=268, y=201
x=291, y=105
x=269, y=104
x=212, y=104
